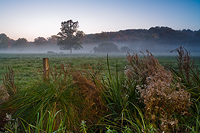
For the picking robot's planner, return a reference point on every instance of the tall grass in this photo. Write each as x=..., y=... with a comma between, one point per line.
x=75, y=94
x=7, y=90
x=9, y=81
x=143, y=97
x=119, y=95
x=52, y=95
x=60, y=93
x=20, y=125
x=187, y=72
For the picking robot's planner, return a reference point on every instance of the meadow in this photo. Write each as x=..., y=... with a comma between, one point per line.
x=28, y=66
x=100, y=93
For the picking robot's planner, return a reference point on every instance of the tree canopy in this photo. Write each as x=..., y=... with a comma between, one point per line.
x=69, y=37
x=20, y=42
x=40, y=40
x=4, y=41
x=106, y=47
x=154, y=35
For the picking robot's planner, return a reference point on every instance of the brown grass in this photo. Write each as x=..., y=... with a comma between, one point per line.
x=9, y=81
x=90, y=88
x=162, y=97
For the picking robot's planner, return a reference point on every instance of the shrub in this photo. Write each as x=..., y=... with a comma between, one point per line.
x=106, y=47
x=163, y=98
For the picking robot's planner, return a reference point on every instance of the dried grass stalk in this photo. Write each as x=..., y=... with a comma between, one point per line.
x=161, y=96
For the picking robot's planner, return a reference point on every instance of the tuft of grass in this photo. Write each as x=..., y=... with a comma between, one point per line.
x=21, y=125
x=194, y=125
x=76, y=94
x=58, y=93
x=9, y=81
x=119, y=94
x=6, y=91
x=187, y=72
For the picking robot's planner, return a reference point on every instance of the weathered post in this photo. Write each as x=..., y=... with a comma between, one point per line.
x=46, y=68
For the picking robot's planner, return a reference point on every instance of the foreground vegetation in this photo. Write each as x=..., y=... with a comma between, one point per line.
x=139, y=94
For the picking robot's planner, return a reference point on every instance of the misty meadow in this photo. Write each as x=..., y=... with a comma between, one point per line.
x=100, y=93
x=127, y=81
x=99, y=66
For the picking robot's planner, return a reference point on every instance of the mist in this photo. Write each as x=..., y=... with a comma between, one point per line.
x=45, y=49
x=155, y=49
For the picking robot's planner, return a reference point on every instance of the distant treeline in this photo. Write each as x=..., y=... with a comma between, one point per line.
x=6, y=42
x=154, y=35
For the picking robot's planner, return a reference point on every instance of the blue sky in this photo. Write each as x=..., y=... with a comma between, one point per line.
x=33, y=18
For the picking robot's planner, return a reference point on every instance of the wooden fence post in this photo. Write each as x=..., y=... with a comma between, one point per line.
x=46, y=68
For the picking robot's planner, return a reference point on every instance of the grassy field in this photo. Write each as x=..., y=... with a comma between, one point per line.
x=89, y=79
x=28, y=66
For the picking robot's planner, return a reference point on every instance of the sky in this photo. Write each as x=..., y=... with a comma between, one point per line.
x=33, y=18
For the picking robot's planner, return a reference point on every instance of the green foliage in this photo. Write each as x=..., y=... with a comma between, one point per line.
x=58, y=93
x=83, y=127
x=20, y=125
x=119, y=96
x=9, y=81
x=67, y=91
x=196, y=127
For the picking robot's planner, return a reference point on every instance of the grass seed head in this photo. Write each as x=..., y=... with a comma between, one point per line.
x=161, y=96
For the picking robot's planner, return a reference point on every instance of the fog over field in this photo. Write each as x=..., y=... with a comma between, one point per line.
x=158, y=40
x=45, y=49
x=157, y=50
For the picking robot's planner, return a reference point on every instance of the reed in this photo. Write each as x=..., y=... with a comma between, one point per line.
x=187, y=72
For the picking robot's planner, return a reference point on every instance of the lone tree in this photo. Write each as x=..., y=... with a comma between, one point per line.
x=69, y=37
